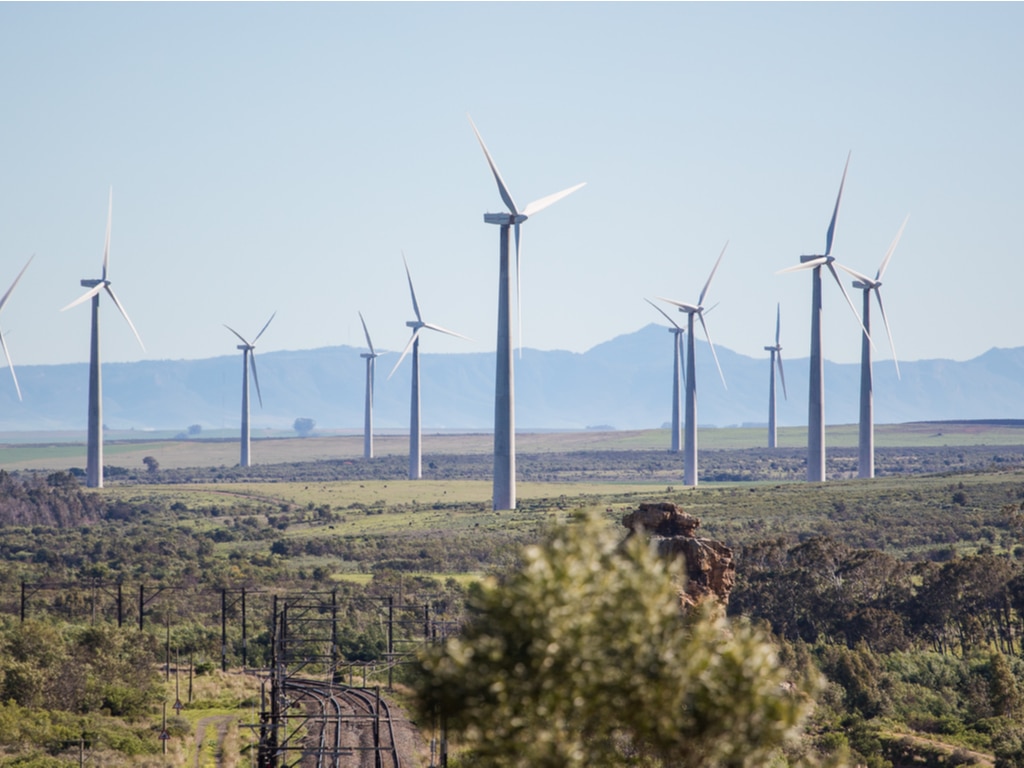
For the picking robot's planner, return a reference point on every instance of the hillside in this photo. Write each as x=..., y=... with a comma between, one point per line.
x=624, y=383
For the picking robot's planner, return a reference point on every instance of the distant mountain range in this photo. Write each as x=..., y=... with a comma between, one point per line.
x=624, y=383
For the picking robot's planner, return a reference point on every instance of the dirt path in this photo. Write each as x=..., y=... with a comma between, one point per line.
x=980, y=758
x=221, y=723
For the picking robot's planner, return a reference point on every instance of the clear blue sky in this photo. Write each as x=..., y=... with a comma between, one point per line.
x=280, y=157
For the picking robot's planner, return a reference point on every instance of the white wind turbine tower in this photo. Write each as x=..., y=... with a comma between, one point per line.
x=417, y=325
x=94, y=453
x=677, y=332
x=816, y=388
x=3, y=343
x=866, y=442
x=775, y=363
x=695, y=310
x=370, y=357
x=248, y=361
x=504, y=496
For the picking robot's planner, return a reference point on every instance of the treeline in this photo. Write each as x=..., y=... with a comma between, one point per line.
x=54, y=500
x=821, y=590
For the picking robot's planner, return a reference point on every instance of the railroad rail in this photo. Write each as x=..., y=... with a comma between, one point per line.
x=347, y=727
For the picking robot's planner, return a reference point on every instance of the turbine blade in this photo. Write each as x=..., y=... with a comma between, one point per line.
x=110, y=292
x=885, y=322
x=264, y=328
x=438, y=328
x=6, y=295
x=782, y=376
x=680, y=304
x=502, y=189
x=10, y=364
x=106, y=241
x=539, y=205
x=85, y=296
x=804, y=265
x=862, y=277
x=711, y=344
x=404, y=352
x=778, y=322
x=888, y=254
x=663, y=312
x=835, y=213
x=412, y=291
x=368, y=342
x=255, y=378
x=832, y=269
x=703, y=293
x=240, y=336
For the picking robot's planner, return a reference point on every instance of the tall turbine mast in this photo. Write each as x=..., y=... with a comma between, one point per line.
x=816, y=388
x=775, y=363
x=417, y=325
x=370, y=357
x=248, y=361
x=3, y=342
x=677, y=332
x=866, y=431
x=697, y=310
x=94, y=453
x=504, y=496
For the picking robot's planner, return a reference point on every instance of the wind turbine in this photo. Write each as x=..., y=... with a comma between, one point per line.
x=695, y=310
x=816, y=388
x=368, y=417
x=775, y=362
x=248, y=361
x=417, y=325
x=504, y=496
x=677, y=332
x=94, y=453
x=3, y=343
x=866, y=460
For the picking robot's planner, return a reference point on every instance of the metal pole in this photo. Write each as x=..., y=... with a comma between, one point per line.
x=223, y=630
x=391, y=641
x=245, y=636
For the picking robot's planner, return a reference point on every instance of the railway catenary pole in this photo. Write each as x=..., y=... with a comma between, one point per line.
x=391, y=642
x=245, y=636
x=224, y=629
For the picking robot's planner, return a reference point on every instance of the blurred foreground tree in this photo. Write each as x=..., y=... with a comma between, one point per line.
x=584, y=658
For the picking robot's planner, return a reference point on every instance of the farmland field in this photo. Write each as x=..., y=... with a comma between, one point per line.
x=62, y=451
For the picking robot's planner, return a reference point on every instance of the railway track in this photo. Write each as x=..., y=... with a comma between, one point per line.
x=346, y=727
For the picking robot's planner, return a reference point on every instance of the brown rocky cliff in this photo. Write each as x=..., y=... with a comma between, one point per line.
x=710, y=568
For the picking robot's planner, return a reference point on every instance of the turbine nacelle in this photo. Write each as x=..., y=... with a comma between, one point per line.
x=504, y=219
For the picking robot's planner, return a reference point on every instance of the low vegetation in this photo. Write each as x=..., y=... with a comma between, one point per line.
x=906, y=593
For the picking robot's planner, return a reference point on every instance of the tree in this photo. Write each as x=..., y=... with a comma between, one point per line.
x=582, y=657
x=152, y=465
x=303, y=426
x=195, y=429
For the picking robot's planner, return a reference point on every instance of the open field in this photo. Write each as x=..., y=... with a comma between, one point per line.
x=62, y=451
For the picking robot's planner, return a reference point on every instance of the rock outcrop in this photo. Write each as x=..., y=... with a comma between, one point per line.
x=710, y=569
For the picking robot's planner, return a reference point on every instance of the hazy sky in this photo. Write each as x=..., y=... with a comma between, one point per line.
x=280, y=157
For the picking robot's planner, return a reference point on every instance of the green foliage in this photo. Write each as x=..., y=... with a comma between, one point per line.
x=77, y=669
x=583, y=658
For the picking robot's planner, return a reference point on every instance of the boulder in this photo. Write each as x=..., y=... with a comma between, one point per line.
x=710, y=567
